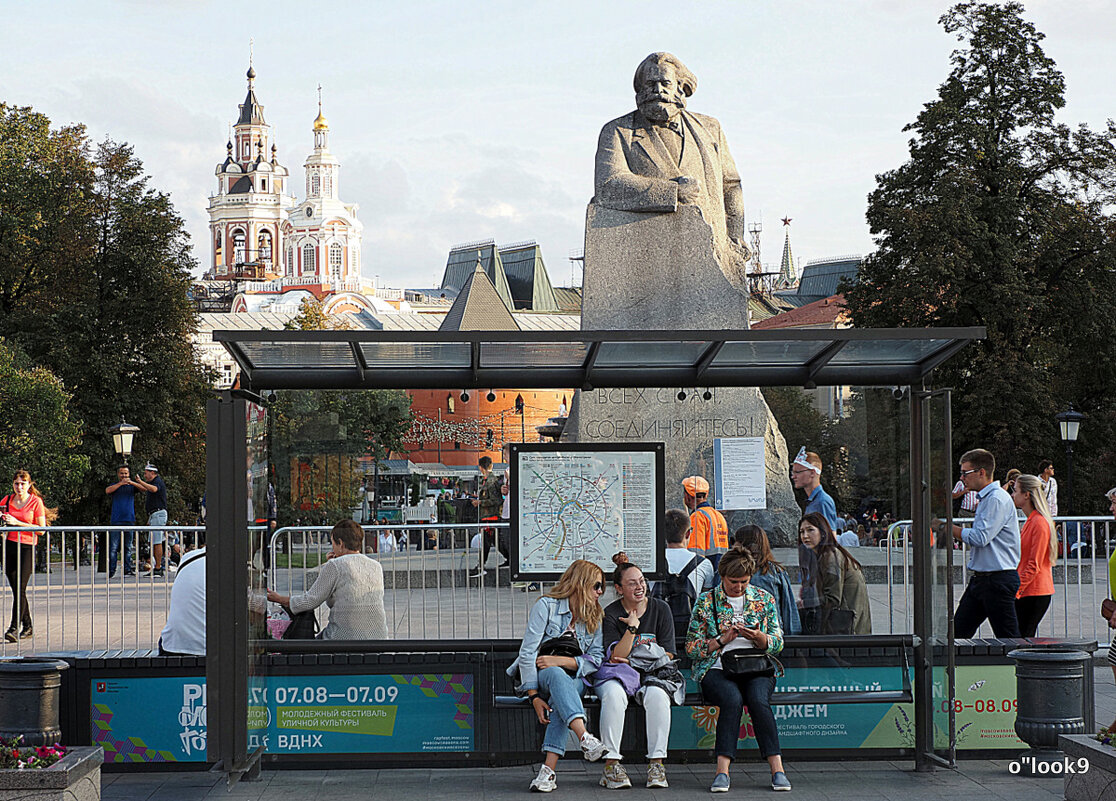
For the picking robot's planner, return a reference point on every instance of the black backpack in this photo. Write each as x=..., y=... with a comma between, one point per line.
x=679, y=594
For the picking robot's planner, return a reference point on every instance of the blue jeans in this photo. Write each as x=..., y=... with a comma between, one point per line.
x=563, y=693
x=114, y=550
x=731, y=696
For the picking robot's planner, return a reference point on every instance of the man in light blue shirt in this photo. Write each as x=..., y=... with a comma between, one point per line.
x=806, y=475
x=993, y=553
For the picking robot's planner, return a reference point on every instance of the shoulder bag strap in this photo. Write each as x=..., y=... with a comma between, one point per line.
x=691, y=566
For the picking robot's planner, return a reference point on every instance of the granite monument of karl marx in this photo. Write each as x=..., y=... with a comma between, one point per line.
x=664, y=250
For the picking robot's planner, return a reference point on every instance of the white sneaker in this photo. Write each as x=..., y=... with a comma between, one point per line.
x=479, y=574
x=615, y=777
x=656, y=775
x=545, y=782
x=591, y=748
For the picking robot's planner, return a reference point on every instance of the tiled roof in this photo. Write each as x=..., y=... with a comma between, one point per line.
x=824, y=313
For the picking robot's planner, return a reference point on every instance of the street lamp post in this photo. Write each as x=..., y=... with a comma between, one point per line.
x=1069, y=423
x=123, y=435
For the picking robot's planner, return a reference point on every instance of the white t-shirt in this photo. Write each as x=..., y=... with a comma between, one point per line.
x=185, y=629
x=848, y=539
x=702, y=575
x=386, y=543
x=737, y=605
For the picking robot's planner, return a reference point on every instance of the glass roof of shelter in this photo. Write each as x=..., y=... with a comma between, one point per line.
x=578, y=359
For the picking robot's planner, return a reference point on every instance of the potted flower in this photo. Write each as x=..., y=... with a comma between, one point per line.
x=49, y=772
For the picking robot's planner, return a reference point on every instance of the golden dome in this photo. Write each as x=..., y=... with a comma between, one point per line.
x=321, y=123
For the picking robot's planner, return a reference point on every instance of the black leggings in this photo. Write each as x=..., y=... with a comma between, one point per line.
x=18, y=563
x=1030, y=609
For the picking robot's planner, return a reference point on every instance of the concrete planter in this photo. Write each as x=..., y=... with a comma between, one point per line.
x=1099, y=782
x=30, y=697
x=75, y=777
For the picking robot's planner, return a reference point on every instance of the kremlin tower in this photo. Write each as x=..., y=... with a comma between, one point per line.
x=249, y=207
x=322, y=235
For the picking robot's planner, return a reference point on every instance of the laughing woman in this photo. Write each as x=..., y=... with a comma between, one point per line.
x=562, y=645
x=633, y=618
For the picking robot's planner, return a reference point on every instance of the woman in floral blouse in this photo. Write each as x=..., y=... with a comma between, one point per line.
x=737, y=615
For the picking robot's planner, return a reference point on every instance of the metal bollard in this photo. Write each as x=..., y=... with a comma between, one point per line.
x=30, y=697
x=1050, y=688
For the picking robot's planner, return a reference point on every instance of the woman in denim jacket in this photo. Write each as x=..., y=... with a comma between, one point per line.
x=554, y=683
x=737, y=615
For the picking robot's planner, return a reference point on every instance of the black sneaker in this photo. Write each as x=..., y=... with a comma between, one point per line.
x=129, y=573
x=26, y=632
x=11, y=635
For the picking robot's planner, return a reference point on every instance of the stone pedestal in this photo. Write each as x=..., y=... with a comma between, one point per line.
x=660, y=272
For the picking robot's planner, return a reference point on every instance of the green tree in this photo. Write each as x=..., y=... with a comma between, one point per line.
x=312, y=317
x=46, y=180
x=329, y=431
x=37, y=431
x=94, y=272
x=1000, y=218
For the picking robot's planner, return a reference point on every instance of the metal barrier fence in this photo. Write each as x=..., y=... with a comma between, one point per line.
x=435, y=587
x=1080, y=577
x=73, y=603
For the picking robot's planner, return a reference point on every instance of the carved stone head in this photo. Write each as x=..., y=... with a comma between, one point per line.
x=662, y=83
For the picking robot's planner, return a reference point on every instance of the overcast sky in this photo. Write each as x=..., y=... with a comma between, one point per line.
x=462, y=121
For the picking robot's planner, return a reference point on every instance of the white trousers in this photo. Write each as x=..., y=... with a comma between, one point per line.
x=614, y=704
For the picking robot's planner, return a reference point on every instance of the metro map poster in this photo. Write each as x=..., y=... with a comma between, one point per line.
x=571, y=501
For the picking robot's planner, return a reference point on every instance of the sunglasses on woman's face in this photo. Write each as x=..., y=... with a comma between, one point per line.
x=599, y=586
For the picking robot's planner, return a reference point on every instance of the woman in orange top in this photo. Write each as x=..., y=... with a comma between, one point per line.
x=1037, y=554
x=24, y=508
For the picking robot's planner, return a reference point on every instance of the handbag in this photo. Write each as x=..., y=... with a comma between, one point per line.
x=565, y=644
x=838, y=621
x=744, y=663
x=304, y=626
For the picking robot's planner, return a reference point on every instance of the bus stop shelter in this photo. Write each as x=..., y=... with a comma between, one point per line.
x=480, y=360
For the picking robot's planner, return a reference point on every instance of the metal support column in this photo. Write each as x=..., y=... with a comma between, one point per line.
x=226, y=583
x=920, y=524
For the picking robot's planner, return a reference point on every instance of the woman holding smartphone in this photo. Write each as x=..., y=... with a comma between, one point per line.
x=731, y=616
x=572, y=612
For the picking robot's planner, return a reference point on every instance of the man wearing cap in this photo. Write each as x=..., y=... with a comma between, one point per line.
x=806, y=475
x=156, y=506
x=708, y=527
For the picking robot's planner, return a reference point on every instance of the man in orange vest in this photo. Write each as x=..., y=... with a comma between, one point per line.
x=708, y=528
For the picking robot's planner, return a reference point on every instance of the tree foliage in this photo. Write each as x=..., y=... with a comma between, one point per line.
x=1001, y=218
x=319, y=429
x=94, y=271
x=312, y=316
x=37, y=431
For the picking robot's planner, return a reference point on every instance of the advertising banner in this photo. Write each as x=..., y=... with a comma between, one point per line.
x=164, y=719
x=984, y=707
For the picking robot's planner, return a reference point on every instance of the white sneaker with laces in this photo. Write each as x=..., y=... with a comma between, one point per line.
x=656, y=775
x=591, y=748
x=615, y=777
x=545, y=782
